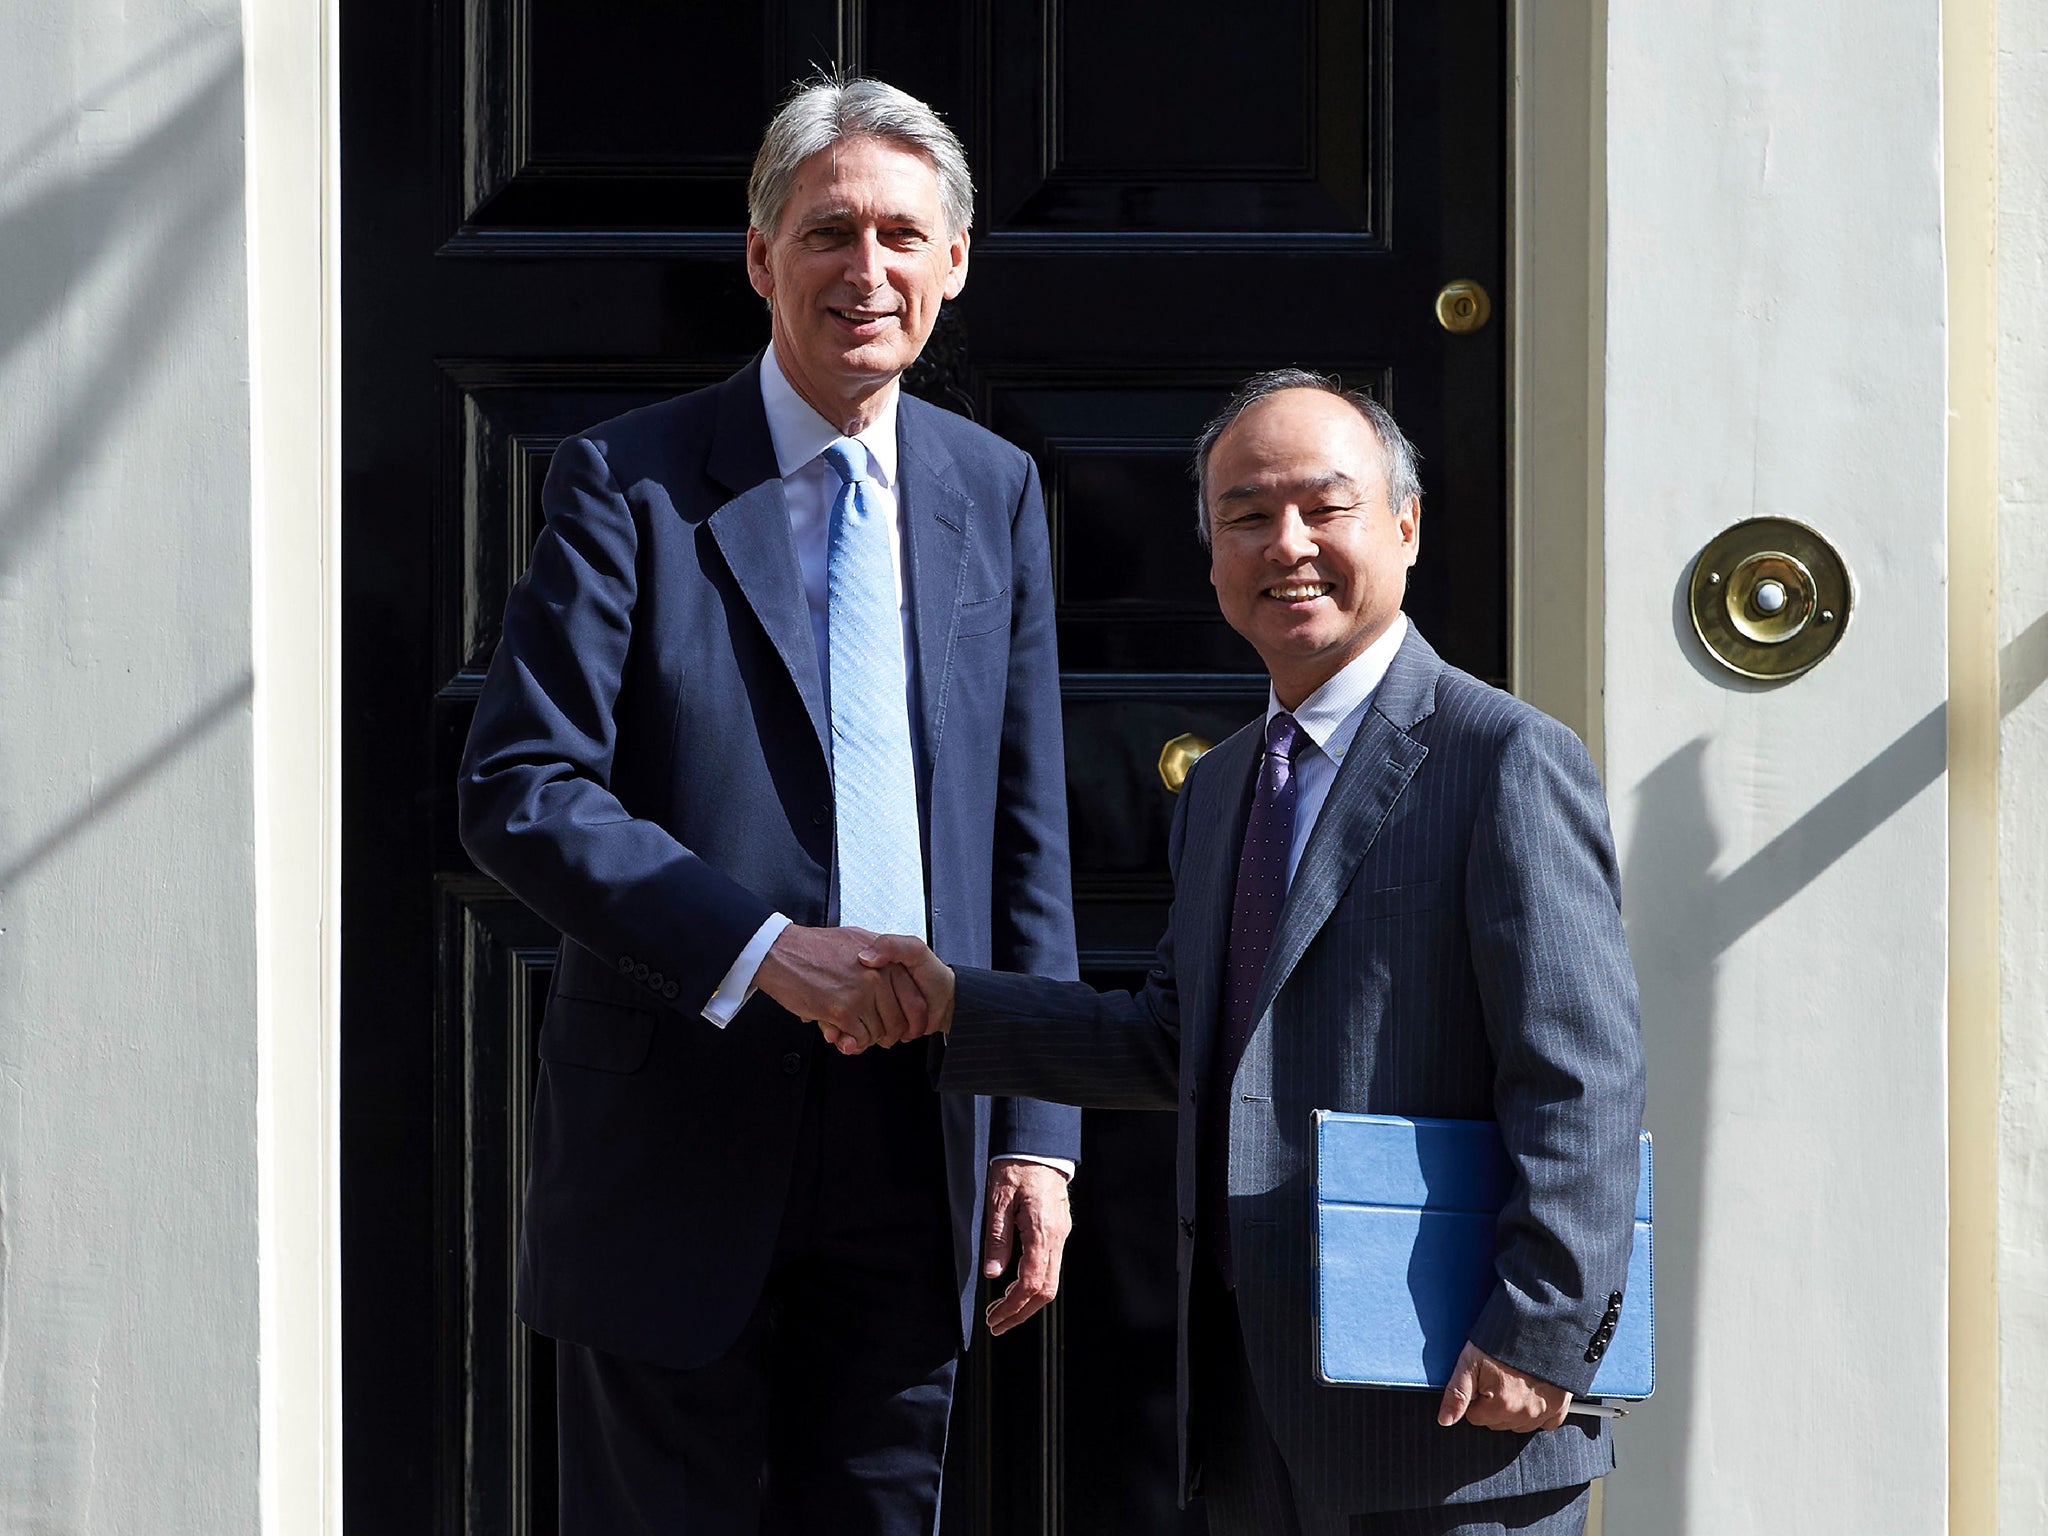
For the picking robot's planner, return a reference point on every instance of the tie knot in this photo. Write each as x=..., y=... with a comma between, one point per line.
x=848, y=457
x=1283, y=736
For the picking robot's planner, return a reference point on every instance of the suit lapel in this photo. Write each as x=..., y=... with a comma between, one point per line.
x=936, y=515
x=1382, y=760
x=1206, y=885
x=753, y=534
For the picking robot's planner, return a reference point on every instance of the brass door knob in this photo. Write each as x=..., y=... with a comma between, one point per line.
x=1769, y=598
x=1177, y=757
x=1463, y=307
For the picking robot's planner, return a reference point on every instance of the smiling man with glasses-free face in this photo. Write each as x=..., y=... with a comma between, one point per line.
x=1393, y=893
x=708, y=751
x=855, y=274
x=1309, y=559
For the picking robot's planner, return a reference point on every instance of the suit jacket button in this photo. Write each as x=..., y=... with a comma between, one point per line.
x=625, y=965
x=655, y=980
x=820, y=816
x=640, y=972
x=792, y=1063
x=671, y=991
x=1593, y=1356
x=1614, y=1300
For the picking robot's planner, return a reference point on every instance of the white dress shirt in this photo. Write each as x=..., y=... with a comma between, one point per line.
x=809, y=487
x=1330, y=718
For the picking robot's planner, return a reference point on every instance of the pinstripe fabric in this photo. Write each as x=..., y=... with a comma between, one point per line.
x=1255, y=1496
x=1262, y=1505
x=1268, y=1510
x=1451, y=945
x=1260, y=892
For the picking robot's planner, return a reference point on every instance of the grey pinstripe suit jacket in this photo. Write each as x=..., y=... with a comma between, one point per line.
x=1451, y=945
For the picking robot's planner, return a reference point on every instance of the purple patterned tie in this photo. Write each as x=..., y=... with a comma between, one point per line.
x=1261, y=887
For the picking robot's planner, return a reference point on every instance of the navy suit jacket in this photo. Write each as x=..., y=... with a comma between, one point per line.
x=1451, y=945
x=648, y=770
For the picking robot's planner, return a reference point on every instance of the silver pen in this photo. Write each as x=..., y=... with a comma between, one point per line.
x=1596, y=1410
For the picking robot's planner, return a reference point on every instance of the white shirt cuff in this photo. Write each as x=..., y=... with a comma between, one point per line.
x=1064, y=1165
x=738, y=984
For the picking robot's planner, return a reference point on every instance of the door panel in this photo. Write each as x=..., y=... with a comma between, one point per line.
x=1229, y=120
x=542, y=215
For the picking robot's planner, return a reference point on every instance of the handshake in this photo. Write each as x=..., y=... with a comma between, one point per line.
x=859, y=988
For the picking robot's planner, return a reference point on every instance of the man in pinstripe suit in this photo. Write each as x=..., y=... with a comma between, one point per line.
x=1395, y=893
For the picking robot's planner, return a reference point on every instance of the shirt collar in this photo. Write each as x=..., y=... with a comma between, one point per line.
x=1331, y=715
x=800, y=434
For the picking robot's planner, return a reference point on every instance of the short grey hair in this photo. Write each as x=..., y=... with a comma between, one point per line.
x=1397, y=454
x=829, y=110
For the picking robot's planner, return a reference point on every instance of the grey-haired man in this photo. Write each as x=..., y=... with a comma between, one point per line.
x=781, y=673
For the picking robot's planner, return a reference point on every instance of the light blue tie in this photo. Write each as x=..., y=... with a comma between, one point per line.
x=874, y=789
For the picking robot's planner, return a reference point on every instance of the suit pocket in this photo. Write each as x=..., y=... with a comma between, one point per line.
x=985, y=615
x=1392, y=901
x=589, y=1032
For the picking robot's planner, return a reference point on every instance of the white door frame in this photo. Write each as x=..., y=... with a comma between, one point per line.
x=294, y=183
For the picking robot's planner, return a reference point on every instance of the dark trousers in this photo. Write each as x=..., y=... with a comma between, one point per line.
x=829, y=1412
x=1247, y=1488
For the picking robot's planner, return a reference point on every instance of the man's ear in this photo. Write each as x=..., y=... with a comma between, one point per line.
x=1411, y=526
x=956, y=275
x=759, y=274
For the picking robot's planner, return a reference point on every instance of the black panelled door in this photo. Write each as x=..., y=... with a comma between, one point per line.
x=542, y=214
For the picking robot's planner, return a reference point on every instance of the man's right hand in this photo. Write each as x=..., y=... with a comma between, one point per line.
x=818, y=974
x=898, y=955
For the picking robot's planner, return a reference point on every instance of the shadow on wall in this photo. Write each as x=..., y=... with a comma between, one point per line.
x=115, y=217
x=105, y=798
x=1682, y=917
x=1670, y=901
x=135, y=235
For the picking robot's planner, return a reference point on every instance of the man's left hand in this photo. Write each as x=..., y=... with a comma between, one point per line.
x=1482, y=1391
x=1028, y=1219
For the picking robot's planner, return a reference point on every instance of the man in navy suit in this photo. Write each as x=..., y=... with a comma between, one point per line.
x=783, y=663
x=1395, y=892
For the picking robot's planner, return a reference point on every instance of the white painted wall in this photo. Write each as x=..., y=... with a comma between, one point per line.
x=1775, y=345
x=129, y=1247
x=2023, y=761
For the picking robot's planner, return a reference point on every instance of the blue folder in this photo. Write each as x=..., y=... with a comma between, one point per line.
x=1405, y=1215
